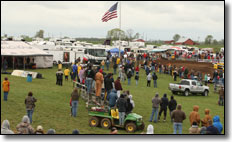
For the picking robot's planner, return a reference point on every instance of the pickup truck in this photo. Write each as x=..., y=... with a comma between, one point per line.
x=187, y=86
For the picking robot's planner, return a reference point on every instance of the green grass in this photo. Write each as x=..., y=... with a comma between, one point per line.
x=53, y=110
x=216, y=48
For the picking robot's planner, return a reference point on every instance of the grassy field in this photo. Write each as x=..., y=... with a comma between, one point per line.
x=53, y=110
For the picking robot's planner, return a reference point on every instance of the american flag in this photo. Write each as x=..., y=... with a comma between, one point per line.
x=111, y=13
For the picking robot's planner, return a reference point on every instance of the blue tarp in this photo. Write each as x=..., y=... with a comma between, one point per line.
x=115, y=50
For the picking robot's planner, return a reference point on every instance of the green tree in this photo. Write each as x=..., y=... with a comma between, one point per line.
x=40, y=34
x=136, y=36
x=129, y=34
x=26, y=38
x=115, y=33
x=215, y=42
x=176, y=37
x=208, y=39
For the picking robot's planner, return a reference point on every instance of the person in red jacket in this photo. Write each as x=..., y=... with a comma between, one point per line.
x=118, y=86
x=6, y=88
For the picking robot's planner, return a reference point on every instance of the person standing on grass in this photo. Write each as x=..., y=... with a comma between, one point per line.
x=137, y=77
x=172, y=106
x=174, y=75
x=99, y=81
x=115, y=66
x=163, y=107
x=108, y=83
x=221, y=96
x=112, y=98
x=118, y=86
x=195, y=116
x=149, y=76
x=74, y=70
x=89, y=73
x=75, y=99
x=59, y=65
x=155, y=107
x=24, y=127
x=30, y=105
x=5, y=129
x=154, y=77
x=6, y=88
x=66, y=73
x=178, y=117
x=129, y=75
x=121, y=105
x=102, y=64
x=59, y=77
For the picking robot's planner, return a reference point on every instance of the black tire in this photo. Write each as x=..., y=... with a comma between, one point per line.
x=93, y=122
x=186, y=92
x=130, y=127
x=141, y=127
x=106, y=123
x=206, y=92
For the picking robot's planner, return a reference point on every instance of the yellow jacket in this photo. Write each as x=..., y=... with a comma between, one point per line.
x=6, y=86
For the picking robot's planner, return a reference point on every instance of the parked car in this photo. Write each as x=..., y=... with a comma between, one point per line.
x=187, y=86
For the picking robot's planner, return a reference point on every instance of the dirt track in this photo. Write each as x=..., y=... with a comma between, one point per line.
x=196, y=66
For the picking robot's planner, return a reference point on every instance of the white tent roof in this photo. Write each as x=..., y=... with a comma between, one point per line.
x=19, y=48
x=182, y=39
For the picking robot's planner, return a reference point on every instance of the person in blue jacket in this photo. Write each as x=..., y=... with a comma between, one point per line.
x=217, y=123
x=112, y=97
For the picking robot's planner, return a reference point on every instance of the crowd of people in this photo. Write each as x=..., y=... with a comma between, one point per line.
x=95, y=79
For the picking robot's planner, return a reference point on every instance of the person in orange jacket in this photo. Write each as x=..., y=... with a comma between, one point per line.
x=194, y=116
x=99, y=81
x=6, y=88
x=205, y=120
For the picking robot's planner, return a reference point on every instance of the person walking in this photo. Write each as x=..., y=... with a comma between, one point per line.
x=172, y=106
x=99, y=80
x=5, y=129
x=75, y=99
x=155, y=77
x=121, y=105
x=6, y=88
x=30, y=105
x=137, y=78
x=155, y=107
x=66, y=73
x=24, y=127
x=178, y=117
x=163, y=107
x=206, y=119
x=118, y=86
x=149, y=76
x=194, y=116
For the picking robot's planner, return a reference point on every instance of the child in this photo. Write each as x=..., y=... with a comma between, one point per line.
x=6, y=88
x=137, y=77
x=66, y=73
x=103, y=64
x=149, y=79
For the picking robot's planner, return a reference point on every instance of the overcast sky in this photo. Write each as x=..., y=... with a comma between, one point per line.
x=153, y=19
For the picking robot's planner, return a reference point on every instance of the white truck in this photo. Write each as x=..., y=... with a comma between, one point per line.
x=187, y=86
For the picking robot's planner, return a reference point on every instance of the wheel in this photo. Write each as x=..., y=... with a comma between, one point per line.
x=93, y=122
x=186, y=92
x=130, y=127
x=106, y=123
x=141, y=127
x=174, y=92
x=205, y=93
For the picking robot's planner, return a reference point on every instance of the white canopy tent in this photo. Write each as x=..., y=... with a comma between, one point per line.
x=16, y=49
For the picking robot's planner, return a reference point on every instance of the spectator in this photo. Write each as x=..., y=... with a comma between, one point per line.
x=75, y=99
x=81, y=75
x=108, y=83
x=217, y=123
x=59, y=65
x=99, y=80
x=206, y=79
x=137, y=78
x=163, y=107
x=150, y=129
x=89, y=73
x=6, y=88
x=155, y=77
x=113, y=130
x=59, y=77
x=149, y=76
x=205, y=120
x=102, y=64
x=115, y=66
x=66, y=73
x=107, y=64
x=39, y=130
x=75, y=132
x=172, y=106
x=5, y=63
x=194, y=116
x=155, y=107
x=131, y=101
x=211, y=129
x=51, y=132
x=178, y=117
x=121, y=105
x=6, y=128
x=112, y=98
x=74, y=70
x=194, y=129
x=30, y=105
x=221, y=96
x=129, y=106
x=24, y=127
x=174, y=75
x=118, y=86
x=129, y=75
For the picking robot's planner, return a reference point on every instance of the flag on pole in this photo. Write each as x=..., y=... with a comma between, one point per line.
x=111, y=13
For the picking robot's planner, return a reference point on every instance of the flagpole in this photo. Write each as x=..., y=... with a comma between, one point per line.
x=119, y=29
